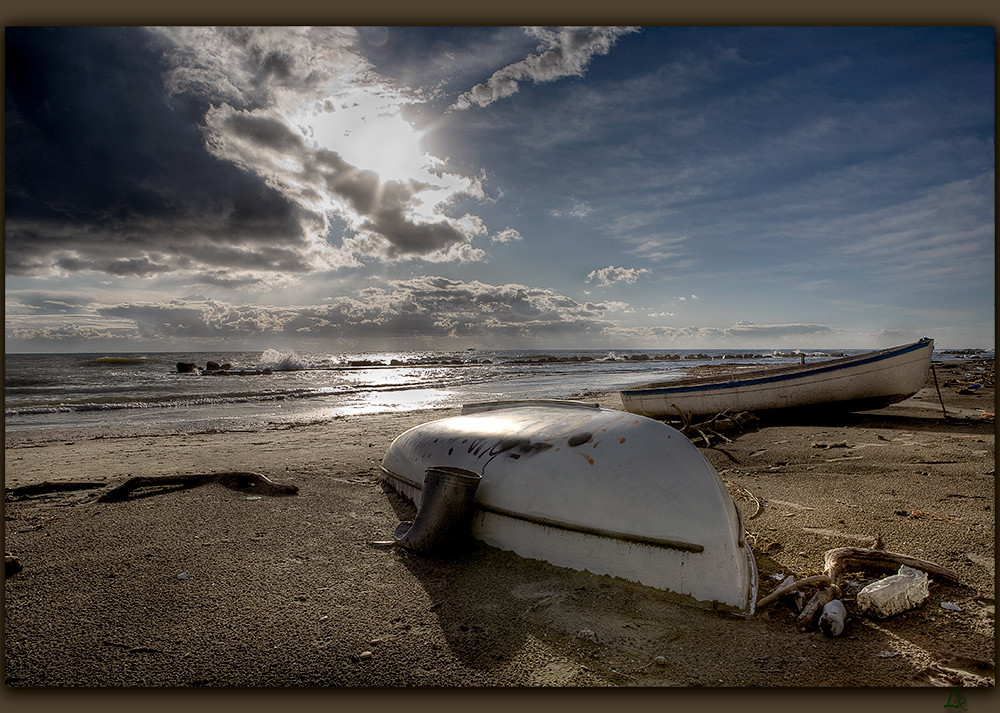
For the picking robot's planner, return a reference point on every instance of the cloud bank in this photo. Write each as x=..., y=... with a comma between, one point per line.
x=423, y=309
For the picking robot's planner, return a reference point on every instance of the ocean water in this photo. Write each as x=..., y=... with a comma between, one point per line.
x=144, y=392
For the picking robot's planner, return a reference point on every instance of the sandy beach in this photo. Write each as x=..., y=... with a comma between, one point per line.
x=210, y=586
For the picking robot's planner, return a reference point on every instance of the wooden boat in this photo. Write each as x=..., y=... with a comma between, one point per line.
x=857, y=383
x=590, y=489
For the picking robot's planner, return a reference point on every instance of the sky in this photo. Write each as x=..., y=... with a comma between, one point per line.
x=343, y=189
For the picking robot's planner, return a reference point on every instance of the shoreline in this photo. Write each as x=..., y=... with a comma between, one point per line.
x=288, y=591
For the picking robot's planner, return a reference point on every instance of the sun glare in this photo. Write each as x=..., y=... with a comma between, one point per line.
x=372, y=137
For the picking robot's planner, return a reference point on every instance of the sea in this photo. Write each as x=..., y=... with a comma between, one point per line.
x=146, y=392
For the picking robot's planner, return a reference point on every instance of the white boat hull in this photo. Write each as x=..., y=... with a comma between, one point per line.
x=867, y=381
x=591, y=489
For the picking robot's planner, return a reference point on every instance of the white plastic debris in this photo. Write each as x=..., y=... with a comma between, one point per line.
x=894, y=595
x=833, y=618
x=182, y=576
x=950, y=606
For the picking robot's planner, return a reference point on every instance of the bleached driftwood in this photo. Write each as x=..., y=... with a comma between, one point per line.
x=820, y=579
x=236, y=480
x=807, y=617
x=843, y=559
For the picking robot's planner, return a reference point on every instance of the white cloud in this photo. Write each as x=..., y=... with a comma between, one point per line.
x=564, y=52
x=579, y=210
x=610, y=275
x=507, y=235
x=254, y=66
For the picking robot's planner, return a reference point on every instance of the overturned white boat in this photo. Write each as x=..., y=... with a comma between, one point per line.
x=590, y=489
x=858, y=383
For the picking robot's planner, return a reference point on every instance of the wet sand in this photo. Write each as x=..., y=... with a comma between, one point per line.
x=212, y=587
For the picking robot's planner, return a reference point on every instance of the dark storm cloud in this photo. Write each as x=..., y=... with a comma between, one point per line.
x=103, y=174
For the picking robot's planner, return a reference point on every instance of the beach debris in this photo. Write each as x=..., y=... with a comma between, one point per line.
x=916, y=514
x=586, y=635
x=382, y=544
x=235, y=480
x=886, y=654
x=790, y=594
x=833, y=619
x=749, y=496
x=812, y=609
x=11, y=565
x=53, y=486
x=782, y=589
x=895, y=594
x=845, y=559
x=715, y=426
x=183, y=576
x=950, y=606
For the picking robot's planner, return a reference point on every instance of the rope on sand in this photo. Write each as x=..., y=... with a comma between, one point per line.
x=940, y=399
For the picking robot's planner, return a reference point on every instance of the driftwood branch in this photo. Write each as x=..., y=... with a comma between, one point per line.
x=53, y=486
x=820, y=579
x=753, y=497
x=237, y=480
x=807, y=618
x=845, y=559
x=702, y=428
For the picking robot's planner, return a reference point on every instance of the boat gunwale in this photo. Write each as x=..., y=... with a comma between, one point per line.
x=765, y=376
